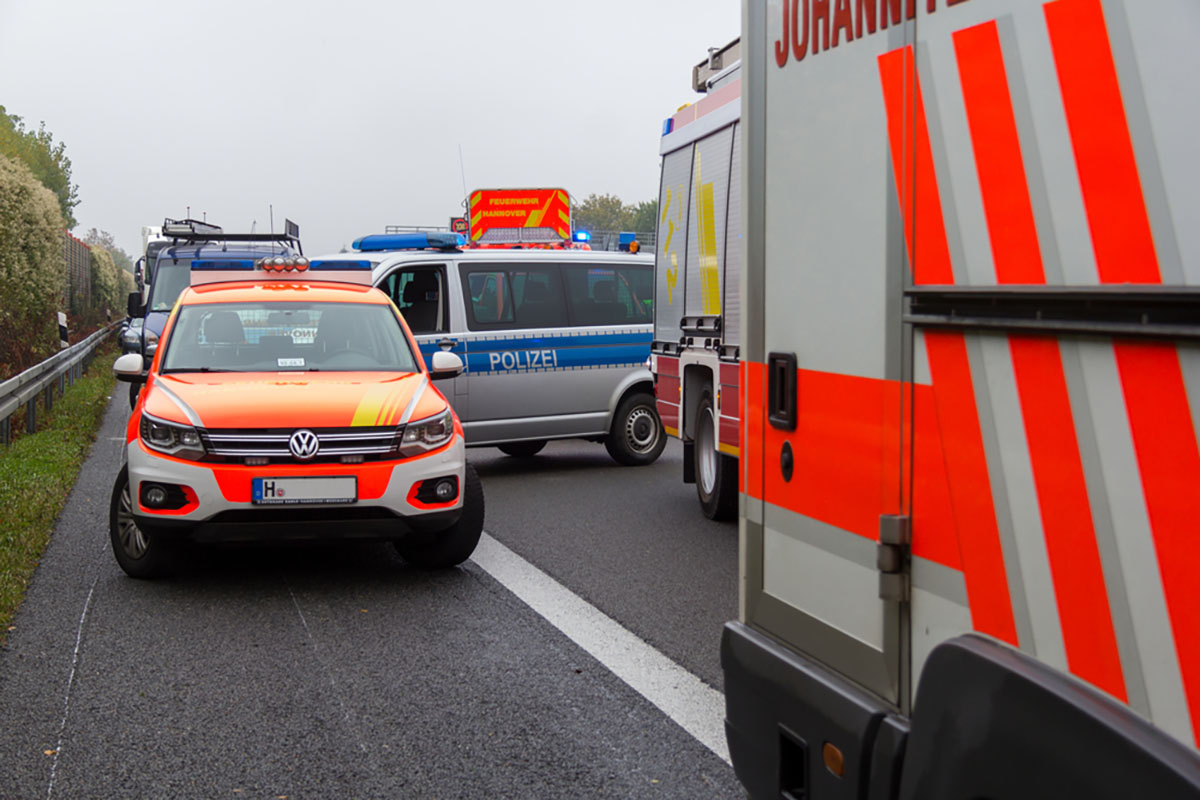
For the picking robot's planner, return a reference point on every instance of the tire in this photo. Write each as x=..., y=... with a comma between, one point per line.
x=134, y=390
x=142, y=553
x=523, y=449
x=636, y=437
x=454, y=545
x=716, y=473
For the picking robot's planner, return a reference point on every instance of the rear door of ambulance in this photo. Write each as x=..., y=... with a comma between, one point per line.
x=1052, y=180
x=823, y=352
x=971, y=230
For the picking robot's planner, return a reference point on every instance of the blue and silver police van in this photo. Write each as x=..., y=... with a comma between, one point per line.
x=555, y=342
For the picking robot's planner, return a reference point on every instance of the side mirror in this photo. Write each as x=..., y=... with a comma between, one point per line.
x=134, y=305
x=128, y=368
x=444, y=365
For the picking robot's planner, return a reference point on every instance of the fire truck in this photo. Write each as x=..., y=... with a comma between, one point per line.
x=970, y=382
x=697, y=262
x=519, y=218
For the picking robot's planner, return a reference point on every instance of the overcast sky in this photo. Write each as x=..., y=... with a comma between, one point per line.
x=348, y=116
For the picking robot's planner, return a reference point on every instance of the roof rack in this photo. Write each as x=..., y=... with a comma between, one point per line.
x=192, y=230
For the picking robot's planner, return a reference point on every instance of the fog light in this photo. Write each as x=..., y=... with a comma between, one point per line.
x=445, y=490
x=156, y=496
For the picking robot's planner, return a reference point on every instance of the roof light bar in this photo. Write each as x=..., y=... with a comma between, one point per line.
x=437, y=240
x=282, y=268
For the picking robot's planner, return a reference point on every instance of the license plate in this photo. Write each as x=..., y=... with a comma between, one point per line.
x=301, y=491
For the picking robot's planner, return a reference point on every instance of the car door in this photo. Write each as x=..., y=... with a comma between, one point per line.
x=420, y=292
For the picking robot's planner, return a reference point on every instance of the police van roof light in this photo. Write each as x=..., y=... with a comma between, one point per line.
x=439, y=240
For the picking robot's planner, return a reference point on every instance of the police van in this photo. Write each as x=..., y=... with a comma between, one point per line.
x=555, y=342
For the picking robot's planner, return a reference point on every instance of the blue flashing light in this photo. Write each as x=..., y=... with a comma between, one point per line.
x=228, y=265
x=437, y=240
x=344, y=266
x=582, y=236
x=668, y=125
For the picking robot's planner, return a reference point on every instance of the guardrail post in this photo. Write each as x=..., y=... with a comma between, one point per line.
x=5, y=432
x=49, y=404
x=31, y=415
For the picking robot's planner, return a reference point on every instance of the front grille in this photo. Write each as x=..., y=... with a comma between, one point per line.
x=337, y=444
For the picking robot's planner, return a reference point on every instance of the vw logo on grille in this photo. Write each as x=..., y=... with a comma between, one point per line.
x=304, y=444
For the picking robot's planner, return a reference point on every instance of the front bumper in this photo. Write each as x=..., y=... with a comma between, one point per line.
x=219, y=508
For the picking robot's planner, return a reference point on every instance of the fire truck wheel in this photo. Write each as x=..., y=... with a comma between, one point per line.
x=636, y=437
x=716, y=473
x=141, y=552
x=523, y=449
x=455, y=544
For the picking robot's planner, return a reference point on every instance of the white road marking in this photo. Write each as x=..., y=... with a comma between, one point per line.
x=688, y=701
x=62, y=727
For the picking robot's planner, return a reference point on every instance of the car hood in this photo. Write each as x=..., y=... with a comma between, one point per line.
x=270, y=400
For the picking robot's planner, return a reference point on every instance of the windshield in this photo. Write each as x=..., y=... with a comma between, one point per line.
x=294, y=337
x=170, y=279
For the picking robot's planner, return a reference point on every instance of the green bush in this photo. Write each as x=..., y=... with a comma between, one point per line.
x=32, y=270
x=107, y=301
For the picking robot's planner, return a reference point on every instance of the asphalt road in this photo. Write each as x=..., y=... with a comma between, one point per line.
x=338, y=671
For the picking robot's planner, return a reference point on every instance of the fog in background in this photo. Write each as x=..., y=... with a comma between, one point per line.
x=348, y=116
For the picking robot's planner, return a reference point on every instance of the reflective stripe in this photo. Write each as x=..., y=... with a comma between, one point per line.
x=953, y=388
x=1160, y=418
x=1065, y=515
x=1169, y=461
x=1104, y=157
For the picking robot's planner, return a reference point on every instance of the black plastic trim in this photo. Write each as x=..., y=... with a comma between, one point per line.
x=1121, y=311
x=993, y=722
x=778, y=702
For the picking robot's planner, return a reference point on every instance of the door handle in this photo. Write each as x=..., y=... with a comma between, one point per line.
x=447, y=343
x=781, y=390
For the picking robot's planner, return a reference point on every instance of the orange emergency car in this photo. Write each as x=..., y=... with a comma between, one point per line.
x=288, y=400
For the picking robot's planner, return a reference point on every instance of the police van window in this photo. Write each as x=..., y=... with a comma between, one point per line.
x=610, y=296
x=419, y=293
x=519, y=297
x=538, y=298
x=489, y=298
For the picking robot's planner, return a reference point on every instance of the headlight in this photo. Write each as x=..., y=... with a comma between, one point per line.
x=171, y=438
x=427, y=434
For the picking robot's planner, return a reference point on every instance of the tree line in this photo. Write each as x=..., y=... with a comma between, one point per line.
x=37, y=203
x=606, y=212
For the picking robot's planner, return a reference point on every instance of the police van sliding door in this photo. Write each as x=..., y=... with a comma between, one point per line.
x=824, y=360
x=549, y=345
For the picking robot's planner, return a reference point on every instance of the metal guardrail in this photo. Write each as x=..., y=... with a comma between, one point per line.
x=58, y=371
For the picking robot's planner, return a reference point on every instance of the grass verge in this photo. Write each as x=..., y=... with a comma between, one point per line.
x=36, y=474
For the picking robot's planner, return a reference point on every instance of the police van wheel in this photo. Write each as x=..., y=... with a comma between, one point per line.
x=637, y=436
x=716, y=473
x=455, y=544
x=141, y=553
x=523, y=449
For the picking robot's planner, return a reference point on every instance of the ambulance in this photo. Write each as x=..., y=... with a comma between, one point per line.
x=697, y=263
x=970, y=381
x=288, y=400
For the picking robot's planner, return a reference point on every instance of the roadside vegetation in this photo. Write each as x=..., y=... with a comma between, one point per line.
x=37, y=202
x=37, y=473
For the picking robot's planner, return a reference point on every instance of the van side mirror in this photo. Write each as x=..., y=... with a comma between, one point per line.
x=134, y=305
